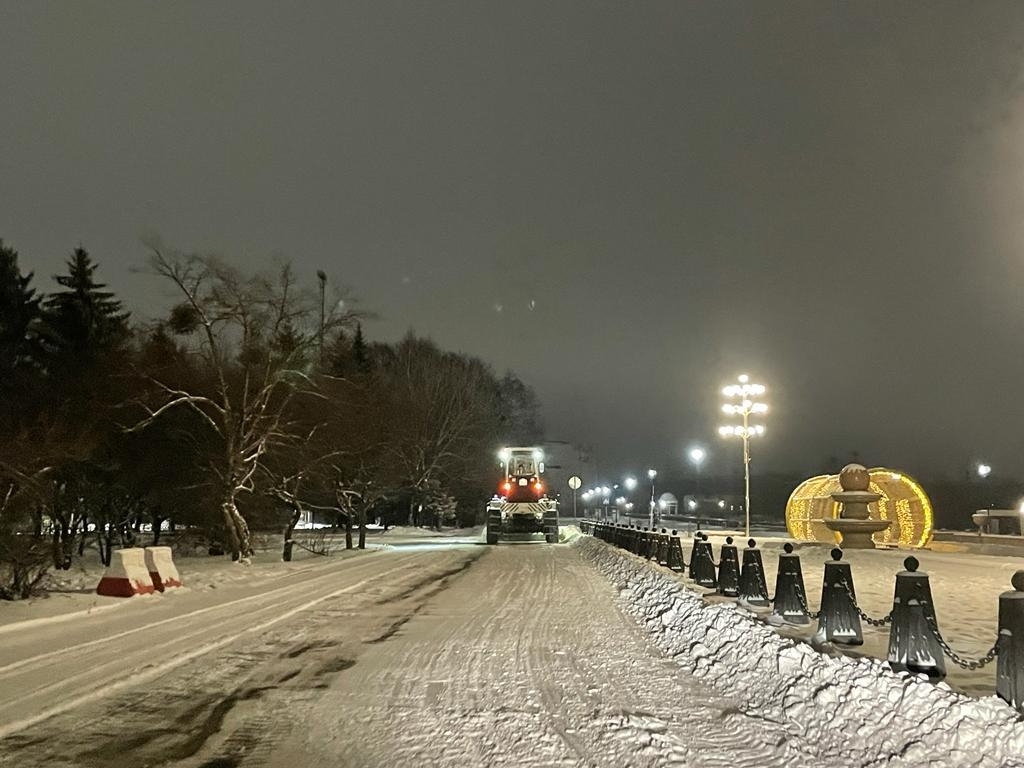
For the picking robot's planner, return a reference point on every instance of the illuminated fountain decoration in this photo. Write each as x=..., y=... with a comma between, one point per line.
x=902, y=502
x=854, y=524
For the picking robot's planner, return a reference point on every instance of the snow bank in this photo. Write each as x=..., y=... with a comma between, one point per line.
x=851, y=711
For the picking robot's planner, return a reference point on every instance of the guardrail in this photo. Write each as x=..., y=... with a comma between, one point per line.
x=915, y=642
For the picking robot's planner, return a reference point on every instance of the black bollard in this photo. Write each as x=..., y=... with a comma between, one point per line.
x=1010, y=661
x=729, y=570
x=790, y=595
x=704, y=565
x=662, y=550
x=838, y=620
x=693, y=552
x=675, y=553
x=753, y=588
x=912, y=643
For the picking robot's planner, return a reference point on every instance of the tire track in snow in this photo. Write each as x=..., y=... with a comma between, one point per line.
x=528, y=661
x=104, y=674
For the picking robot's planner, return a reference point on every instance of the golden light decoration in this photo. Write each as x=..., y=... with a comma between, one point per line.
x=902, y=501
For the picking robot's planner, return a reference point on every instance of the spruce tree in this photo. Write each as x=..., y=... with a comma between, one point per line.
x=84, y=322
x=19, y=317
x=360, y=354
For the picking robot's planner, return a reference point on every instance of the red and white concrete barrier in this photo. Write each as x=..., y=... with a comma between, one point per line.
x=126, y=575
x=160, y=564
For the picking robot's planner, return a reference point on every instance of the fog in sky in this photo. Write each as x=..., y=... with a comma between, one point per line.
x=626, y=203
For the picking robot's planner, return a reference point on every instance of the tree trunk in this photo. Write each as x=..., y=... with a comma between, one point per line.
x=239, y=540
x=57, y=549
x=81, y=539
x=105, y=540
x=158, y=523
x=348, y=531
x=289, y=529
x=362, y=527
x=37, y=522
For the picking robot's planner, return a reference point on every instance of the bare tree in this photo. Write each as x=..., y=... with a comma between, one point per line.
x=255, y=337
x=441, y=417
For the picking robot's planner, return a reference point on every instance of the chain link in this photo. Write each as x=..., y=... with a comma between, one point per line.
x=853, y=600
x=803, y=604
x=955, y=657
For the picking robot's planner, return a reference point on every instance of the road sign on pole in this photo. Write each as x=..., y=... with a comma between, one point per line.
x=574, y=482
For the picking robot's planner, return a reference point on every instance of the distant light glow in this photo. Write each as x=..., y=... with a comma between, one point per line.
x=984, y=470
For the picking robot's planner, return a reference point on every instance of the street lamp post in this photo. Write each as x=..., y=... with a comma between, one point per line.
x=697, y=456
x=322, y=277
x=984, y=470
x=652, y=473
x=745, y=392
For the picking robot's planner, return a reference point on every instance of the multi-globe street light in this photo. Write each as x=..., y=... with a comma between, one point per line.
x=744, y=392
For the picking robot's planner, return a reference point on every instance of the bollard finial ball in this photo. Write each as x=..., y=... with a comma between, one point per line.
x=837, y=554
x=751, y=543
x=1017, y=580
x=728, y=540
x=675, y=532
x=911, y=564
x=788, y=548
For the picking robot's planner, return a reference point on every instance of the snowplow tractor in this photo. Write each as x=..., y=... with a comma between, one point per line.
x=521, y=506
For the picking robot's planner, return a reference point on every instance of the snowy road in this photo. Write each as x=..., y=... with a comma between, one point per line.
x=455, y=655
x=525, y=660
x=433, y=653
x=162, y=680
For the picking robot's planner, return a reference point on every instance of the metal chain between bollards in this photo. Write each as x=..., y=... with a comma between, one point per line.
x=803, y=604
x=887, y=619
x=955, y=657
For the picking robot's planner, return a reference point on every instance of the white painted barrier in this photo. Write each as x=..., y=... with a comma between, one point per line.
x=126, y=575
x=160, y=564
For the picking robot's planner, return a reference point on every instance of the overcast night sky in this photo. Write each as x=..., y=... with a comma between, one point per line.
x=626, y=203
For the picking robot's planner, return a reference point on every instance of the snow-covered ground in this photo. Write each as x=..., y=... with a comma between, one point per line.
x=435, y=650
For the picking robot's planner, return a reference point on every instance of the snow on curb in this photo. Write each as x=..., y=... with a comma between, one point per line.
x=851, y=711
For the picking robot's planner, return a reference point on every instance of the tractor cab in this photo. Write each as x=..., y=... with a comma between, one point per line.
x=522, y=471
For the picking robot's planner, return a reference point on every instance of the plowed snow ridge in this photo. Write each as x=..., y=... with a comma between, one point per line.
x=855, y=712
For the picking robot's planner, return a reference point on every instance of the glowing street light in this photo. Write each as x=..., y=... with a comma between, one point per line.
x=630, y=483
x=652, y=473
x=984, y=470
x=697, y=456
x=744, y=393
